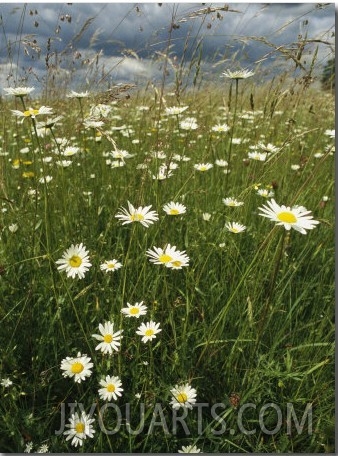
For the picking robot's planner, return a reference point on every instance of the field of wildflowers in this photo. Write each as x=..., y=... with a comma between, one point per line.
x=167, y=269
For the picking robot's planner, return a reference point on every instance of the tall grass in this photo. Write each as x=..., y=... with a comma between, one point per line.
x=252, y=314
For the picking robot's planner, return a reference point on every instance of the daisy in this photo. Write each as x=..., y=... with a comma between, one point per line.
x=6, y=382
x=235, y=227
x=109, y=340
x=43, y=448
x=269, y=148
x=135, y=310
x=295, y=167
x=239, y=74
x=169, y=257
x=148, y=330
x=265, y=192
x=49, y=123
x=64, y=163
x=189, y=124
x=183, y=396
x=78, y=367
x=232, y=202
x=30, y=112
x=110, y=265
x=220, y=128
x=75, y=261
x=259, y=156
x=80, y=428
x=203, y=166
x=141, y=214
x=331, y=133
x=29, y=447
x=111, y=388
x=163, y=173
x=296, y=217
x=74, y=94
x=174, y=208
x=206, y=216
x=18, y=91
x=221, y=163
x=70, y=150
x=92, y=123
x=13, y=227
x=45, y=179
x=100, y=110
x=121, y=154
x=175, y=110
x=189, y=449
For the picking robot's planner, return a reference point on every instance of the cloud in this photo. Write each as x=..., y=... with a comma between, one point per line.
x=124, y=38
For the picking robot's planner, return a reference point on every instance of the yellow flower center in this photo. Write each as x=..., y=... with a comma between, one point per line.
x=75, y=261
x=77, y=368
x=164, y=258
x=110, y=265
x=108, y=338
x=149, y=332
x=235, y=230
x=79, y=428
x=31, y=112
x=176, y=263
x=174, y=212
x=203, y=168
x=137, y=217
x=134, y=311
x=110, y=388
x=287, y=217
x=182, y=397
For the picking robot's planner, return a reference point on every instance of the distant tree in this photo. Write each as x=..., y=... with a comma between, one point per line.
x=328, y=76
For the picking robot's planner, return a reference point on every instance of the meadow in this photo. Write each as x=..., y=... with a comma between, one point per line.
x=192, y=233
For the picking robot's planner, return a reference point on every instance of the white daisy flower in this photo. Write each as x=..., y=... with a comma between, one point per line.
x=28, y=447
x=175, y=110
x=70, y=150
x=259, y=156
x=75, y=261
x=6, y=382
x=110, y=265
x=235, y=227
x=173, y=208
x=148, y=330
x=111, y=388
x=238, y=74
x=203, y=166
x=30, y=112
x=296, y=217
x=18, y=91
x=135, y=310
x=265, y=192
x=183, y=396
x=221, y=163
x=110, y=340
x=64, y=163
x=80, y=428
x=189, y=449
x=74, y=94
x=232, y=202
x=78, y=367
x=43, y=448
x=189, y=123
x=142, y=215
x=220, y=128
x=169, y=257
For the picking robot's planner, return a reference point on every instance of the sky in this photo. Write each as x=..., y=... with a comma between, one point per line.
x=108, y=43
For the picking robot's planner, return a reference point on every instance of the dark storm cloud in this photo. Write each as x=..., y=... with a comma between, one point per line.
x=138, y=33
